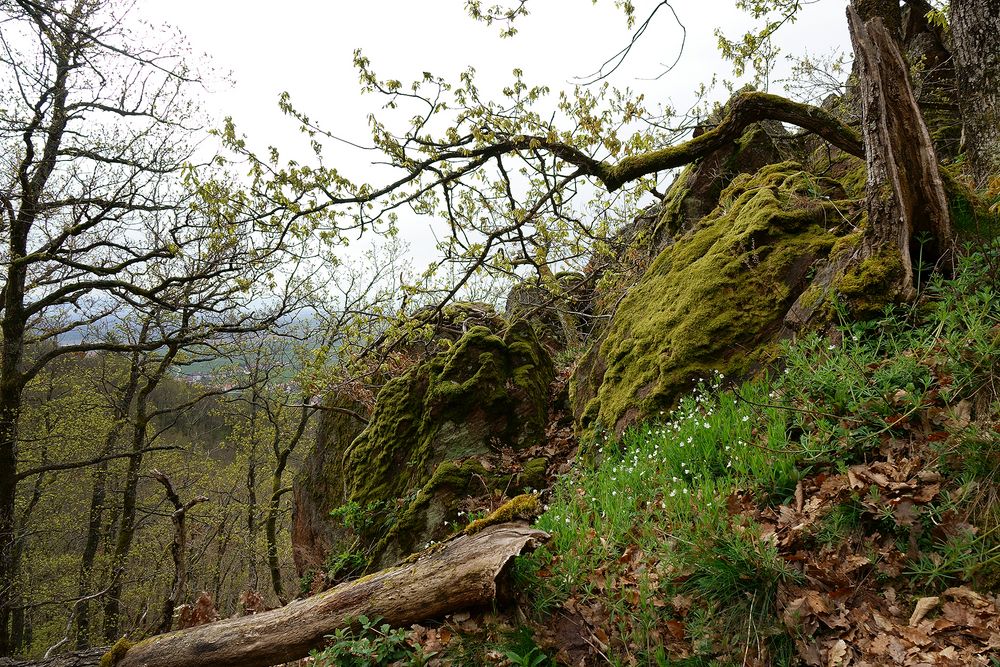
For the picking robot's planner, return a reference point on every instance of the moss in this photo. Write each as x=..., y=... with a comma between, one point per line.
x=379, y=462
x=971, y=216
x=868, y=287
x=416, y=458
x=523, y=507
x=484, y=387
x=712, y=298
x=116, y=653
x=533, y=475
x=671, y=218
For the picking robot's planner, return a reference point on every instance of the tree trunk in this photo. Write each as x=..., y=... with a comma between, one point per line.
x=274, y=504
x=975, y=29
x=98, y=497
x=98, y=494
x=10, y=399
x=271, y=535
x=253, y=578
x=178, y=549
x=84, y=658
x=908, y=215
x=462, y=573
x=126, y=531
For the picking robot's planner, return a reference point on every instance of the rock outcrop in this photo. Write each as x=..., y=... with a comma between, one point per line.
x=398, y=483
x=712, y=299
x=319, y=485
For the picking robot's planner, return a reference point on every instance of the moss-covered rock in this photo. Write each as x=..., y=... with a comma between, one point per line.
x=622, y=261
x=711, y=300
x=486, y=391
x=869, y=286
x=553, y=307
x=435, y=329
x=319, y=487
x=408, y=469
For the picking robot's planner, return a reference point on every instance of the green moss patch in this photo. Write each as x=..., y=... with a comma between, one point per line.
x=416, y=458
x=524, y=507
x=871, y=285
x=116, y=653
x=711, y=299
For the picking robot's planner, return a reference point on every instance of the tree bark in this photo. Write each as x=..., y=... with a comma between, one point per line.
x=178, y=548
x=121, y=405
x=462, y=573
x=975, y=27
x=126, y=533
x=277, y=491
x=907, y=207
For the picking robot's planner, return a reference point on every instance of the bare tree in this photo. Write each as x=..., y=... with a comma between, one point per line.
x=103, y=217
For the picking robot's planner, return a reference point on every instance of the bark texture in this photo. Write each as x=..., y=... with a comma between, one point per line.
x=82, y=658
x=178, y=548
x=462, y=573
x=907, y=207
x=975, y=28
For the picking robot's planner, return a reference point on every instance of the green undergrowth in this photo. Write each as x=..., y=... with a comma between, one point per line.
x=660, y=534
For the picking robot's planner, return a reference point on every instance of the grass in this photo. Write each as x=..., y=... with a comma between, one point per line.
x=655, y=527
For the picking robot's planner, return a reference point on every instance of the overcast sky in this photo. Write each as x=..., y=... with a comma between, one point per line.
x=305, y=47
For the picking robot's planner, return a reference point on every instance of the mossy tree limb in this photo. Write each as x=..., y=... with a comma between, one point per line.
x=744, y=110
x=461, y=573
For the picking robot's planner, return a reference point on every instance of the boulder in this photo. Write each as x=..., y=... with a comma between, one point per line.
x=714, y=299
x=397, y=485
x=693, y=194
x=556, y=308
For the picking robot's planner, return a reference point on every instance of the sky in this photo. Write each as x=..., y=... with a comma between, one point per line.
x=305, y=47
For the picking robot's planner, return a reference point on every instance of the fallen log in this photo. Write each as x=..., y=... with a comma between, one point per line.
x=88, y=657
x=460, y=573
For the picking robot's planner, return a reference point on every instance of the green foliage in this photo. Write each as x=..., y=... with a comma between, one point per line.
x=659, y=513
x=657, y=501
x=368, y=642
x=524, y=652
x=836, y=526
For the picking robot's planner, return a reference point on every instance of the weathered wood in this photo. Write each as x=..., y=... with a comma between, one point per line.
x=88, y=657
x=461, y=573
x=905, y=194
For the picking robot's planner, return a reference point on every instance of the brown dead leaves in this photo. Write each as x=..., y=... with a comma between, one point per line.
x=840, y=614
x=959, y=627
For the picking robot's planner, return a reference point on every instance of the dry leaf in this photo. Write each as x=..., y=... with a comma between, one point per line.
x=924, y=605
x=837, y=654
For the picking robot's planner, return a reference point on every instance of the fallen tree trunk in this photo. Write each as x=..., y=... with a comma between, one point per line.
x=88, y=657
x=460, y=573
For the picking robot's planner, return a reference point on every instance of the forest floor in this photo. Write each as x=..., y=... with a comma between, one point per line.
x=842, y=510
